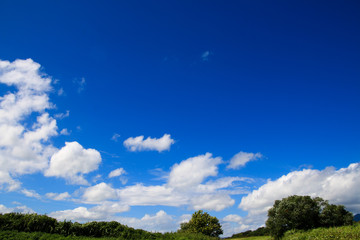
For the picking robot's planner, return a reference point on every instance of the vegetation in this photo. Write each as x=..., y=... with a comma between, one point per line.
x=262, y=231
x=34, y=226
x=339, y=233
x=202, y=222
x=253, y=238
x=304, y=212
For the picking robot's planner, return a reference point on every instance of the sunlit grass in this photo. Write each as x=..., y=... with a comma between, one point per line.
x=338, y=233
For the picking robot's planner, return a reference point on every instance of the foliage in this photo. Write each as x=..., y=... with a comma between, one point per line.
x=34, y=226
x=339, y=233
x=253, y=238
x=202, y=222
x=15, y=235
x=304, y=212
x=262, y=231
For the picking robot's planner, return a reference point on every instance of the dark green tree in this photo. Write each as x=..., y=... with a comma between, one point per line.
x=304, y=212
x=202, y=222
x=335, y=215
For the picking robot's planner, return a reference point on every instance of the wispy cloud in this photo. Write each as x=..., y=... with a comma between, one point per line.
x=80, y=83
x=115, y=137
x=62, y=115
x=206, y=55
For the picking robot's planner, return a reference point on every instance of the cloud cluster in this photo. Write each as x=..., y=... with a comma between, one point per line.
x=24, y=143
x=24, y=148
x=337, y=186
x=185, y=186
x=138, y=144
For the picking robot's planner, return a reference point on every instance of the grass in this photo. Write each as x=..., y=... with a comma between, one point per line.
x=338, y=233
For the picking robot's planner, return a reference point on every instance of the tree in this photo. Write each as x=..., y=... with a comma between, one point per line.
x=202, y=222
x=304, y=212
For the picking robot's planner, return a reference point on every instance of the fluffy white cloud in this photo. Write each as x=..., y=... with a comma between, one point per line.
x=99, y=192
x=72, y=162
x=149, y=144
x=191, y=172
x=241, y=158
x=23, y=147
x=117, y=172
x=80, y=214
x=232, y=218
x=103, y=212
x=140, y=195
x=216, y=202
x=58, y=196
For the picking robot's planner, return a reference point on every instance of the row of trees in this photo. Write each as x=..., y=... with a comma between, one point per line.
x=201, y=227
x=43, y=223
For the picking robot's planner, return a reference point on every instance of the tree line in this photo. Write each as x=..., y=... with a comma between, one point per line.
x=42, y=223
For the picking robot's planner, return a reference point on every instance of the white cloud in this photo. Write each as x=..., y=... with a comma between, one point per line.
x=72, y=162
x=103, y=212
x=23, y=147
x=80, y=214
x=30, y=193
x=184, y=187
x=149, y=144
x=65, y=132
x=337, y=186
x=117, y=172
x=215, y=202
x=115, y=137
x=160, y=222
x=61, y=92
x=99, y=193
x=241, y=158
x=191, y=172
x=62, y=115
x=140, y=195
x=80, y=84
x=232, y=218
x=17, y=209
x=58, y=196
x=206, y=55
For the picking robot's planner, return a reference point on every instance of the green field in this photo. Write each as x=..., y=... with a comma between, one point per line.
x=338, y=233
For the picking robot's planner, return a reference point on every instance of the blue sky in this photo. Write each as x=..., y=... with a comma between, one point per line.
x=144, y=112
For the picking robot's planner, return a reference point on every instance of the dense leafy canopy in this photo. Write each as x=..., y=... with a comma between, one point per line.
x=202, y=222
x=304, y=212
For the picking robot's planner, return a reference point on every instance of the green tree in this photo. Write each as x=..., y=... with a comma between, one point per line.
x=202, y=222
x=335, y=215
x=304, y=212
